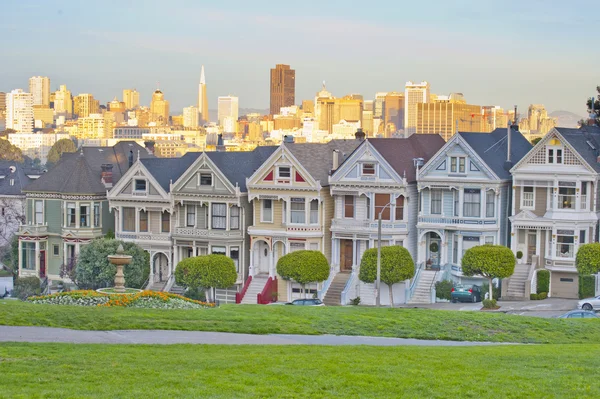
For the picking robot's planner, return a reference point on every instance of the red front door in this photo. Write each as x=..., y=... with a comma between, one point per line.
x=42, y=264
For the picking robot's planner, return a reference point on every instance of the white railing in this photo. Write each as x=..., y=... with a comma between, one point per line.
x=321, y=293
x=457, y=220
x=348, y=288
x=533, y=285
x=143, y=236
x=170, y=283
x=415, y=281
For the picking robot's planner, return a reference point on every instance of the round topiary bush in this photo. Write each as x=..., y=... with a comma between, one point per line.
x=490, y=261
x=207, y=271
x=303, y=267
x=588, y=259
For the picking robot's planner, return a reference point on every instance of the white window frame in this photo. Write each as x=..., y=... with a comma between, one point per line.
x=555, y=150
x=279, y=171
x=35, y=211
x=214, y=217
x=344, y=207
x=299, y=246
x=135, y=189
x=362, y=169
x=488, y=240
x=89, y=214
x=456, y=167
x=233, y=217
x=222, y=249
x=300, y=200
x=98, y=216
x=312, y=212
x=523, y=206
x=236, y=262
x=188, y=214
x=491, y=193
x=262, y=211
x=441, y=201
x=212, y=180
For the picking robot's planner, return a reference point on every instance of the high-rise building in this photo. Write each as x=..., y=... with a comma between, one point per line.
x=42, y=116
x=159, y=109
x=63, y=102
x=131, y=98
x=333, y=110
x=308, y=107
x=228, y=107
x=85, y=104
x=39, y=87
x=92, y=127
x=447, y=114
x=190, y=116
x=202, y=98
x=19, y=111
x=414, y=93
x=283, y=87
x=537, y=121
x=379, y=106
x=117, y=106
x=393, y=111
x=2, y=101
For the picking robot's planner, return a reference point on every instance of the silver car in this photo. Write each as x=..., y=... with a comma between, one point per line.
x=589, y=303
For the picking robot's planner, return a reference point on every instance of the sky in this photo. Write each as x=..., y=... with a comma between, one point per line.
x=505, y=53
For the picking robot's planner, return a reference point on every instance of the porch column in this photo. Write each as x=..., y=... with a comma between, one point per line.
x=37, y=257
x=354, y=254
x=251, y=254
x=20, y=257
x=514, y=239
x=538, y=243
x=151, y=275
x=459, y=250
x=271, y=262
x=444, y=250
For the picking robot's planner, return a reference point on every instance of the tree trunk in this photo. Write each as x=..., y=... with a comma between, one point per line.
x=214, y=290
x=491, y=296
x=304, y=291
x=391, y=295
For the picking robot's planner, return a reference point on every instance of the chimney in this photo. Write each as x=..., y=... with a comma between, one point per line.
x=107, y=176
x=508, y=162
x=149, y=146
x=288, y=139
x=336, y=160
x=130, y=158
x=360, y=135
x=220, y=145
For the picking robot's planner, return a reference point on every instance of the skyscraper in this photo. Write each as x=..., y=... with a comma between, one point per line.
x=283, y=87
x=131, y=98
x=84, y=104
x=228, y=107
x=447, y=114
x=202, y=98
x=19, y=111
x=39, y=87
x=190, y=116
x=393, y=105
x=63, y=102
x=414, y=93
x=159, y=109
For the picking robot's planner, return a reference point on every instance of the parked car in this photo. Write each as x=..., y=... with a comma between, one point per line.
x=306, y=302
x=578, y=314
x=589, y=303
x=466, y=293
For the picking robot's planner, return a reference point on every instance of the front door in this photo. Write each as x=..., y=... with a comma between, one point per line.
x=161, y=268
x=42, y=264
x=346, y=255
x=434, y=251
x=531, y=245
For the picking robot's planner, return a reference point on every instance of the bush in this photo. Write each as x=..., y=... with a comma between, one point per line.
x=587, y=286
x=93, y=270
x=538, y=296
x=489, y=304
x=519, y=254
x=543, y=281
x=26, y=286
x=355, y=301
x=207, y=271
x=443, y=289
x=542, y=295
x=490, y=261
x=303, y=267
x=195, y=294
x=485, y=289
x=587, y=260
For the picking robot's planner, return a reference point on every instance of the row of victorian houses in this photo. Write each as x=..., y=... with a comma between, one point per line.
x=436, y=198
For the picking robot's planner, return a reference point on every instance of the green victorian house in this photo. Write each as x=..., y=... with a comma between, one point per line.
x=67, y=208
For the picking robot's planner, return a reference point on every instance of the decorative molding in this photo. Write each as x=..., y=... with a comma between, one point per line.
x=67, y=197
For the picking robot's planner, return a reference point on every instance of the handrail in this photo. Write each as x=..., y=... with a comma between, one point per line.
x=531, y=278
x=145, y=283
x=321, y=293
x=349, y=283
x=240, y=295
x=44, y=286
x=265, y=296
x=415, y=280
x=170, y=283
x=432, y=287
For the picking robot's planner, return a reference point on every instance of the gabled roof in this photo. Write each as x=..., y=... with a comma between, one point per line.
x=578, y=139
x=492, y=148
x=165, y=170
x=237, y=166
x=19, y=178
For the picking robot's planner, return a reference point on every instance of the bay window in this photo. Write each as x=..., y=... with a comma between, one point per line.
x=234, y=218
x=314, y=211
x=566, y=195
x=71, y=215
x=267, y=211
x=472, y=202
x=565, y=243
x=436, y=202
x=28, y=255
x=190, y=219
x=219, y=216
x=528, y=197
x=96, y=214
x=584, y=195
x=128, y=219
x=298, y=210
x=84, y=215
x=297, y=246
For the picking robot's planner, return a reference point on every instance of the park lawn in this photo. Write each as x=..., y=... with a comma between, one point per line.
x=260, y=319
x=155, y=371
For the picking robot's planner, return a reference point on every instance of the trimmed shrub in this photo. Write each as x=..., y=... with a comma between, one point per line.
x=489, y=304
x=538, y=296
x=588, y=259
x=196, y=294
x=25, y=287
x=543, y=281
x=396, y=265
x=207, y=271
x=303, y=267
x=443, y=289
x=491, y=261
x=587, y=286
x=355, y=301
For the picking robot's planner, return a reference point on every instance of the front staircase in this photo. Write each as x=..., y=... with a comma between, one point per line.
x=177, y=289
x=333, y=296
x=422, y=293
x=255, y=288
x=516, y=284
x=157, y=286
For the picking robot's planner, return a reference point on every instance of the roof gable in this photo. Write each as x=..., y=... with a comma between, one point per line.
x=354, y=167
x=126, y=186
x=196, y=178
x=271, y=173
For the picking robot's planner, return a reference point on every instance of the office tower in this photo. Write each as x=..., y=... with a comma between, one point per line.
x=39, y=87
x=393, y=105
x=308, y=106
x=116, y=106
x=228, y=107
x=333, y=110
x=202, y=98
x=159, y=109
x=379, y=106
x=283, y=87
x=368, y=105
x=414, y=93
x=449, y=113
x=85, y=104
x=92, y=127
x=19, y=111
x=63, y=102
x=42, y=116
x=537, y=121
x=190, y=116
x=131, y=98
x=367, y=122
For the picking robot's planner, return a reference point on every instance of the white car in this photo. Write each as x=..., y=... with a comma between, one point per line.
x=589, y=303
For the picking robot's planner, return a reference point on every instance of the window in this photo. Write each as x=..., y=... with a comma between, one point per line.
x=436, y=202
x=234, y=254
x=555, y=155
x=559, y=156
x=84, y=215
x=128, y=219
x=456, y=202
x=582, y=237
x=284, y=172
x=70, y=253
x=234, y=218
x=219, y=251
x=96, y=214
x=489, y=240
x=368, y=168
x=219, y=216
x=566, y=195
x=472, y=203
x=584, y=195
x=461, y=165
x=297, y=210
x=565, y=243
x=267, y=211
x=455, y=250
x=348, y=206
x=55, y=250
x=297, y=246
x=400, y=208
x=140, y=185
x=28, y=255
x=528, y=197
x=490, y=203
x=368, y=208
x=165, y=222
x=550, y=156
x=314, y=211
x=381, y=200
x=71, y=214
x=143, y=221
x=39, y=212
x=457, y=164
x=205, y=179
x=314, y=246
x=190, y=218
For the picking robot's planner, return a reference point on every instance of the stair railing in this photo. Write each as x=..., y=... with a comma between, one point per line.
x=44, y=289
x=170, y=283
x=266, y=295
x=321, y=293
x=415, y=281
x=240, y=295
x=347, y=288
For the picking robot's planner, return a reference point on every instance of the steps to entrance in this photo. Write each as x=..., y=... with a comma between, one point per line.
x=516, y=283
x=333, y=296
x=255, y=288
x=157, y=286
x=177, y=289
x=422, y=293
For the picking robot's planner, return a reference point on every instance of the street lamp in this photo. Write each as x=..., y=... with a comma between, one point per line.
x=378, y=280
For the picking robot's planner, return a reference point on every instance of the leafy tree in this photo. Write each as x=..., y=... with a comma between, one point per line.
x=59, y=148
x=26, y=287
x=596, y=106
x=396, y=265
x=536, y=140
x=588, y=259
x=207, y=271
x=304, y=267
x=9, y=152
x=6, y=132
x=491, y=261
x=93, y=270
x=9, y=255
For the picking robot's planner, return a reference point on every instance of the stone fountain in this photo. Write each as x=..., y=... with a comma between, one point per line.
x=120, y=260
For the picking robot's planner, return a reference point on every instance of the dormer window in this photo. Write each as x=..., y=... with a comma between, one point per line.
x=368, y=168
x=555, y=155
x=140, y=185
x=205, y=179
x=457, y=164
x=284, y=172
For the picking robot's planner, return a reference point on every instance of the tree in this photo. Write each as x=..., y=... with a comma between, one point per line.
x=206, y=271
x=93, y=270
x=587, y=260
x=304, y=267
x=490, y=261
x=59, y=148
x=9, y=255
x=9, y=152
x=6, y=132
x=596, y=106
x=396, y=265
x=536, y=140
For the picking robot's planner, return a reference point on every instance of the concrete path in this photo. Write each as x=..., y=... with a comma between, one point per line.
x=63, y=335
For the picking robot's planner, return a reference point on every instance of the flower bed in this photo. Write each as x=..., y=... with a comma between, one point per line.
x=144, y=299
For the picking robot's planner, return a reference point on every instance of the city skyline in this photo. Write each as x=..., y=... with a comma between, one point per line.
x=495, y=57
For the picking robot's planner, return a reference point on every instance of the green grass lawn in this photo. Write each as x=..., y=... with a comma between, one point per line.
x=259, y=319
x=128, y=371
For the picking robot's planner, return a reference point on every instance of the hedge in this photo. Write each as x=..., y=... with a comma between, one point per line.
x=587, y=286
x=26, y=286
x=207, y=271
x=588, y=259
x=543, y=281
x=303, y=267
x=538, y=296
